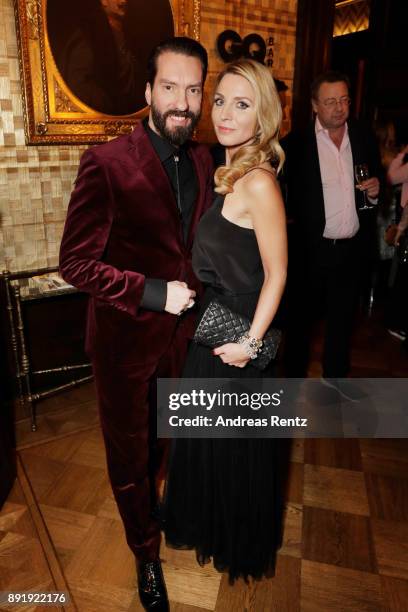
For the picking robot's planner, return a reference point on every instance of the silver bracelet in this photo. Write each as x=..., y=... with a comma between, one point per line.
x=251, y=345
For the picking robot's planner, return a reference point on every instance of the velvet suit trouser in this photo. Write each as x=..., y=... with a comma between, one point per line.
x=326, y=286
x=135, y=457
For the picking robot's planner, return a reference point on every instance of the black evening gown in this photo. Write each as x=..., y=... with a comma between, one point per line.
x=223, y=496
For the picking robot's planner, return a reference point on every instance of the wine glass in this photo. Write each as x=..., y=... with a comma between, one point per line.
x=362, y=173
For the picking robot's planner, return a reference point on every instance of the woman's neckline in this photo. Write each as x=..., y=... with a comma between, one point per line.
x=248, y=229
x=221, y=198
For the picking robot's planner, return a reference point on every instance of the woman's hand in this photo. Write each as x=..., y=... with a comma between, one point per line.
x=232, y=354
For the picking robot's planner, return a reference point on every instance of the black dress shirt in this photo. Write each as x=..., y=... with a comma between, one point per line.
x=180, y=171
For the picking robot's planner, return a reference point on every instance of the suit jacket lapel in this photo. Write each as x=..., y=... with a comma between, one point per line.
x=314, y=155
x=316, y=177
x=199, y=203
x=355, y=145
x=149, y=164
x=358, y=154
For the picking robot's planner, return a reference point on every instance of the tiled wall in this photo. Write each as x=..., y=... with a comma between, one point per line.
x=35, y=182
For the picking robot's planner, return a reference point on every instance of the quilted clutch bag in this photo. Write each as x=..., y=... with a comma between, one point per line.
x=220, y=325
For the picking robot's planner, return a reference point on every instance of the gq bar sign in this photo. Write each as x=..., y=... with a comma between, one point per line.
x=269, y=52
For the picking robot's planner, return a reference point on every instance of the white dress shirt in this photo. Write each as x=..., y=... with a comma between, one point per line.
x=337, y=173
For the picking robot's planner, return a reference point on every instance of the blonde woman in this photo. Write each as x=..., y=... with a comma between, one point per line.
x=222, y=495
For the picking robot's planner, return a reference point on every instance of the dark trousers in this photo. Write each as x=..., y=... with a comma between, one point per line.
x=323, y=284
x=135, y=457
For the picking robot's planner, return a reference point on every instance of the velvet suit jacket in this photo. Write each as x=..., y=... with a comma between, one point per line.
x=303, y=181
x=123, y=226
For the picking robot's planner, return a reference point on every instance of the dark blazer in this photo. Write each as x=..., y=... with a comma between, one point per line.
x=303, y=182
x=122, y=226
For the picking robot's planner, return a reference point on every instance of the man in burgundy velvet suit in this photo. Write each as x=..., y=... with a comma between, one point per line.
x=127, y=242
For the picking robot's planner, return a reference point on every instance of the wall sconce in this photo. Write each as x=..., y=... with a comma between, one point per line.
x=230, y=46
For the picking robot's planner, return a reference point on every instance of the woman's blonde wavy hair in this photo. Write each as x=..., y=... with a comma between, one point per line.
x=265, y=146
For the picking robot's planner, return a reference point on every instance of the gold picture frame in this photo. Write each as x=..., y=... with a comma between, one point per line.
x=53, y=114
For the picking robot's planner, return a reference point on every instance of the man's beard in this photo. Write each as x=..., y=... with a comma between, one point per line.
x=180, y=134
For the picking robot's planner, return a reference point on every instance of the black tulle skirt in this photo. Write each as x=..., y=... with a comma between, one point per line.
x=223, y=497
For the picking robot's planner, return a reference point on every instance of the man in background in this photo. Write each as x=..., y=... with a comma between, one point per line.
x=332, y=235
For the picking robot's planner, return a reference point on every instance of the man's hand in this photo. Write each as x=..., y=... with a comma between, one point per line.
x=179, y=297
x=371, y=186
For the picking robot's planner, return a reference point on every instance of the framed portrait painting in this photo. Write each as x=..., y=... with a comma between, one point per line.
x=83, y=63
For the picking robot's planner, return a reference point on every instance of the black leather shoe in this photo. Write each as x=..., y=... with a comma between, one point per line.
x=151, y=585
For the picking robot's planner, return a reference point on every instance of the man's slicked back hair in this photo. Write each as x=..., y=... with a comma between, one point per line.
x=177, y=44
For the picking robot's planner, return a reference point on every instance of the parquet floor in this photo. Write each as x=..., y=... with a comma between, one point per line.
x=346, y=523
